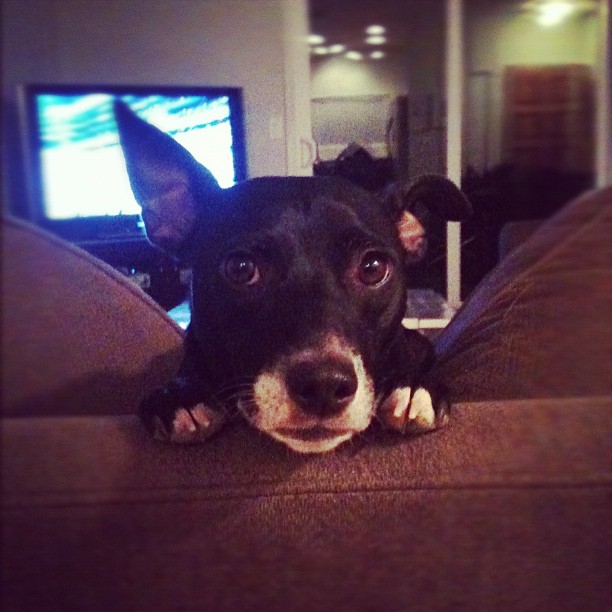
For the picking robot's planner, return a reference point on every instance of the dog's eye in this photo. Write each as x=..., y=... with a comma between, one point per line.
x=374, y=268
x=241, y=270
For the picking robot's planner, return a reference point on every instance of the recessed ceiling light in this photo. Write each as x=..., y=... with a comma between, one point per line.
x=376, y=40
x=315, y=39
x=337, y=48
x=377, y=54
x=320, y=50
x=375, y=30
x=353, y=55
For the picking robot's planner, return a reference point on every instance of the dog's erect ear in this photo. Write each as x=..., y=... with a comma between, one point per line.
x=167, y=181
x=412, y=204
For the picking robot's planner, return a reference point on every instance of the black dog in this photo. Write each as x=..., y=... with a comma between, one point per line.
x=299, y=290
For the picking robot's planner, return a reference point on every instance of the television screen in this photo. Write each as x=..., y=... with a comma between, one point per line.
x=80, y=185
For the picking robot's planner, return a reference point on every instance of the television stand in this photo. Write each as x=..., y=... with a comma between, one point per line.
x=158, y=274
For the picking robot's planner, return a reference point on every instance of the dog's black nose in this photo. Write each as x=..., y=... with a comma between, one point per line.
x=323, y=387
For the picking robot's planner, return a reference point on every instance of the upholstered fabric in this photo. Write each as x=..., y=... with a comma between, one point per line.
x=540, y=325
x=513, y=234
x=506, y=509
x=77, y=337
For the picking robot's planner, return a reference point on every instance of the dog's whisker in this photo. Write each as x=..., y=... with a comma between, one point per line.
x=235, y=388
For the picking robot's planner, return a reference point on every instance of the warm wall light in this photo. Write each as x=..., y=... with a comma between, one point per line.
x=554, y=12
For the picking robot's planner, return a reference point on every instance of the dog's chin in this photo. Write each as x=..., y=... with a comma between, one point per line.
x=311, y=440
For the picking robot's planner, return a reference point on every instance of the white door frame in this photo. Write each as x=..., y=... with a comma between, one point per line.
x=454, y=137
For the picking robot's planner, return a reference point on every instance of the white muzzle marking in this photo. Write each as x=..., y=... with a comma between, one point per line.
x=273, y=411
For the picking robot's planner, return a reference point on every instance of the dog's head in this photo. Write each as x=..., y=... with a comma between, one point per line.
x=299, y=283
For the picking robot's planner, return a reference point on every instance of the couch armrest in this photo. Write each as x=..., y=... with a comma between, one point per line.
x=76, y=337
x=539, y=324
x=505, y=509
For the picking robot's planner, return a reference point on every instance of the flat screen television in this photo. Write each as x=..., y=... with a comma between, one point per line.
x=78, y=182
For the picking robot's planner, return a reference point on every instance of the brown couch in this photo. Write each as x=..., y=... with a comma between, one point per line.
x=508, y=508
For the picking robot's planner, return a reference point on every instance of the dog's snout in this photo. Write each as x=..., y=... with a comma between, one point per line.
x=323, y=387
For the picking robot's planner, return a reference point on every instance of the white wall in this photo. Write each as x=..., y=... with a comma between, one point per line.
x=298, y=128
x=241, y=43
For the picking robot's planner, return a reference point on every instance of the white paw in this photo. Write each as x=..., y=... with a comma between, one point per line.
x=189, y=426
x=407, y=414
x=421, y=416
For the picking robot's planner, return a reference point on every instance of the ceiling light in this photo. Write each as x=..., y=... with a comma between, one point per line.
x=337, y=48
x=376, y=40
x=377, y=54
x=315, y=39
x=320, y=50
x=554, y=12
x=375, y=30
x=353, y=55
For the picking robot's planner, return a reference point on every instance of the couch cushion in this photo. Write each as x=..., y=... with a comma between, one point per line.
x=77, y=337
x=505, y=509
x=539, y=325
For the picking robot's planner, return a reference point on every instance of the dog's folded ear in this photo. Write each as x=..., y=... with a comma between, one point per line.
x=414, y=203
x=169, y=184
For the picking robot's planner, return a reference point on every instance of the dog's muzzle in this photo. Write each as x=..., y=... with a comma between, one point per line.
x=315, y=399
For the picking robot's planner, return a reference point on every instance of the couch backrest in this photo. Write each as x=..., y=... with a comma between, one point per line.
x=77, y=337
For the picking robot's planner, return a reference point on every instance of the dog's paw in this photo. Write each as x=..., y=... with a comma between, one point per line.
x=187, y=425
x=172, y=415
x=413, y=413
